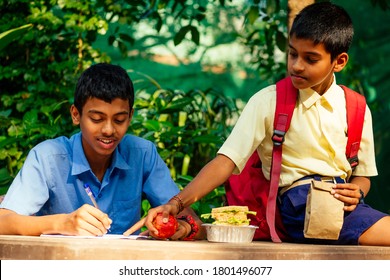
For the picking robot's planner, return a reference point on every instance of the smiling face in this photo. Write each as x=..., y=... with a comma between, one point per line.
x=310, y=65
x=103, y=126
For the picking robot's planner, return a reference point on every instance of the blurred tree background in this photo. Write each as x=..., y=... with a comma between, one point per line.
x=194, y=64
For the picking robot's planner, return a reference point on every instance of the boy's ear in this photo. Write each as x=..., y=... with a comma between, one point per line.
x=341, y=61
x=75, y=115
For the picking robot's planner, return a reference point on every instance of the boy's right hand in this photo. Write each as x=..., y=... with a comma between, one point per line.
x=165, y=209
x=87, y=220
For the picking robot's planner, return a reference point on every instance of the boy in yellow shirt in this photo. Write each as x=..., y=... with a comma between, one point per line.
x=315, y=143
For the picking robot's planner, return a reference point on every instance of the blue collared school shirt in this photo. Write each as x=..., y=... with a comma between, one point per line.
x=52, y=180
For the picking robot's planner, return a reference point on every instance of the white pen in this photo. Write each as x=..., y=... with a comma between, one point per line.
x=91, y=196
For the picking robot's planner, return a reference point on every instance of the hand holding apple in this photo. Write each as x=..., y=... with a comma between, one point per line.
x=165, y=230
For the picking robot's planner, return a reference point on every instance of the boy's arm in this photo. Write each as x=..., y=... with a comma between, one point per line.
x=87, y=220
x=212, y=175
x=364, y=183
x=350, y=194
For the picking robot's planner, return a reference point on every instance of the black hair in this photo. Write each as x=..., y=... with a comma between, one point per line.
x=103, y=81
x=325, y=23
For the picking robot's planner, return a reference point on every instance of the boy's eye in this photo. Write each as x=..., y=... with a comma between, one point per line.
x=292, y=54
x=96, y=120
x=311, y=60
x=119, y=121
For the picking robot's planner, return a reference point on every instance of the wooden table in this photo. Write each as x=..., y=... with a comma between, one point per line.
x=52, y=248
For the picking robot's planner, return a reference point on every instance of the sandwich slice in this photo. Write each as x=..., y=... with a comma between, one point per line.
x=230, y=215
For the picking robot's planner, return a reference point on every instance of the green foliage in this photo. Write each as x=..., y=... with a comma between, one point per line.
x=266, y=38
x=47, y=44
x=187, y=128
x=38, y=72
x=381, y=3
x=367, y=72
x=40, y=68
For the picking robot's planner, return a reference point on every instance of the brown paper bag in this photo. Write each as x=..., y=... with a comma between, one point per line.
x=324, y=213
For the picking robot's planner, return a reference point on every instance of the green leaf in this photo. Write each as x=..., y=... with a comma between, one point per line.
x=271, y=7
x=111, y=39
x=8, y=36
x=4, y=141
x=31, y=116
x=6, y=113
x=253, y=14
x=4, y=175
x=195, y=35
x=16, y=130
x=186, y=178
x=181, y=34
x=281, y=41
x=152, y=125
x=127, y=38
x=177, y=104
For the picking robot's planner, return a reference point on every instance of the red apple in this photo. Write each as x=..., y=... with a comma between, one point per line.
x=165, y=230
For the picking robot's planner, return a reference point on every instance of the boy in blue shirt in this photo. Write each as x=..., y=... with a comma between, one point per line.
x=48, y=195
x=315, y=143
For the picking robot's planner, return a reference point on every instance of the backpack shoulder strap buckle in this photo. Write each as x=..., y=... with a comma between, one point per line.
x=278, y=137
x=353, y=161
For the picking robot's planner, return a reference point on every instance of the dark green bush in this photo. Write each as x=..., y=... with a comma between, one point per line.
x=40, y=68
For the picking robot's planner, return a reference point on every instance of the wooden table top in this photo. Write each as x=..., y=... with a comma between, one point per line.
x=53, y=248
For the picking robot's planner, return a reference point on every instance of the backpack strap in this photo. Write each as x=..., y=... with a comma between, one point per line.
x=356, y=108
x=286, y=97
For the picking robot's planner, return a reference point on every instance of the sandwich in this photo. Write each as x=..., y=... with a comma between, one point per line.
x=230, y=215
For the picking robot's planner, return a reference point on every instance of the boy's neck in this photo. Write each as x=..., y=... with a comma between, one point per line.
x=99, y=166
x=327, y=83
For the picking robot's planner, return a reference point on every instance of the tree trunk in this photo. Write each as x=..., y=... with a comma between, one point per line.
x=294, y=6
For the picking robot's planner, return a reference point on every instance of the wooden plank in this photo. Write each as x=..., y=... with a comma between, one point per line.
x=47, y=248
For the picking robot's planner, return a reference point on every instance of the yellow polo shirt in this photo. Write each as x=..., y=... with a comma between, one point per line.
x=315, y=142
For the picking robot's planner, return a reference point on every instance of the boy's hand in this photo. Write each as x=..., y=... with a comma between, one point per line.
x=183, y=230
x=87, y=220
x=165, y=209
x=347, y=193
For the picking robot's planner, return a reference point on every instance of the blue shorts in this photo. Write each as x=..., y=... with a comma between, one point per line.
x=293, y=207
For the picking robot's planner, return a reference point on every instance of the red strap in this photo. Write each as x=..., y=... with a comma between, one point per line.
x=286, y=96
x=356, y=108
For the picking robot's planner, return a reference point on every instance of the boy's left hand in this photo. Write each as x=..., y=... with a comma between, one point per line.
x=183, y=230
x=347, y=193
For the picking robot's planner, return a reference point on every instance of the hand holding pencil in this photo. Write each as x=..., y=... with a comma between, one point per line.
x=87, y=220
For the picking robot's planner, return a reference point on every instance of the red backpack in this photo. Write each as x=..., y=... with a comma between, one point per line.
x=250, y=187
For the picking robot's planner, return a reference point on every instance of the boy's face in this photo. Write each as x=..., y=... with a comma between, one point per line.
x=103, y=126
x=310, y=65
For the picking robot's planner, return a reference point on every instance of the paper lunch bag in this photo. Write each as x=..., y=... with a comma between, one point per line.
x=324, y=213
